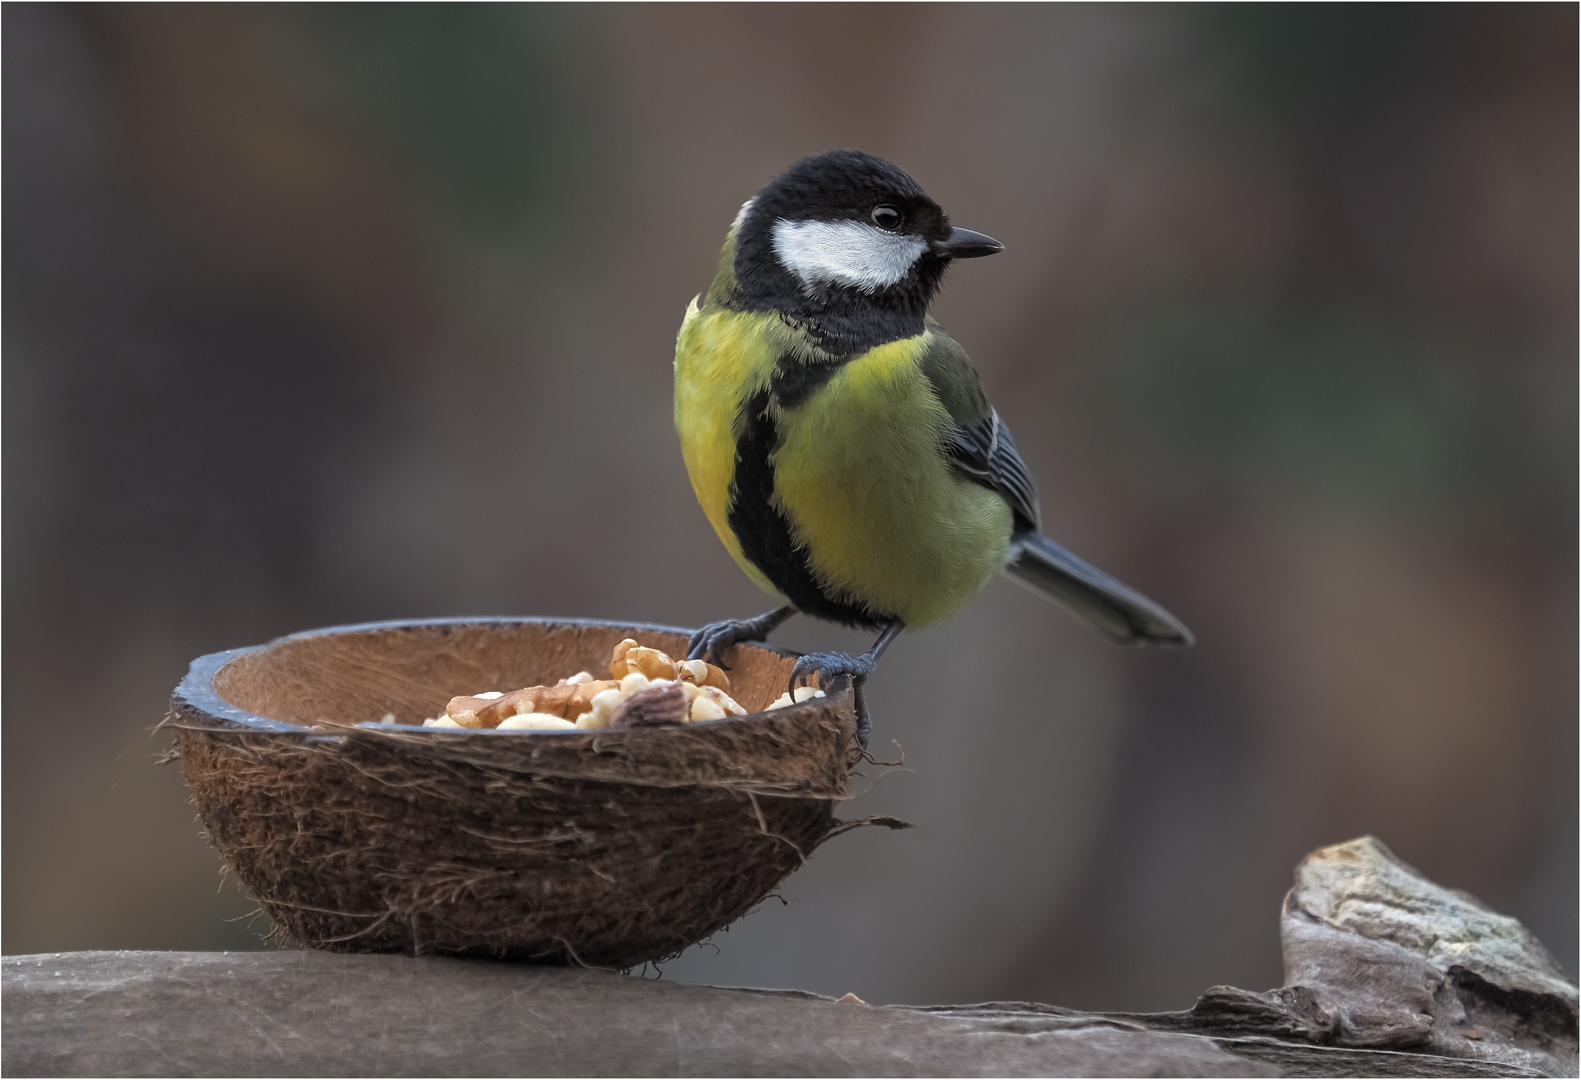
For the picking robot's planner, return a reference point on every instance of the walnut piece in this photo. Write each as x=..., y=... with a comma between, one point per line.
x=648, y=689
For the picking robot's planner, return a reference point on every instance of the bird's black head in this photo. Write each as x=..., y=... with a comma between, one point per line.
x=849, y=245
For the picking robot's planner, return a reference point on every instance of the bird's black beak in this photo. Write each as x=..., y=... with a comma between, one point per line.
x=966, y=244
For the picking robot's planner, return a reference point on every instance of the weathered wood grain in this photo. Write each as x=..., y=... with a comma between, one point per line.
x=323, y=1014
x=1387, y=974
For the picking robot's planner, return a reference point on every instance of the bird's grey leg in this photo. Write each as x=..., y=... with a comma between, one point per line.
x=713, y=639
x=833, y=665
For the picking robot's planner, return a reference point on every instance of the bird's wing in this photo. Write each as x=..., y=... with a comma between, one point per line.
x=981, y=449
x=985, y=453
x=980, y=445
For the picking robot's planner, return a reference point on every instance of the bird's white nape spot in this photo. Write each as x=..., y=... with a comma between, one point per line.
x=741, y=215
x=850, y=253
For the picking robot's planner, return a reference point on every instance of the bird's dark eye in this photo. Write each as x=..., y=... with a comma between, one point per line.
x=886, y=217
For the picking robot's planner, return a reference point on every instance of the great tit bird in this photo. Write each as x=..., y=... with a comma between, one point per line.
x=840, y=441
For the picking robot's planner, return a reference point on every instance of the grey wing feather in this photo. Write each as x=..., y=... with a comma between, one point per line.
x=982, y=450
x=985, y=452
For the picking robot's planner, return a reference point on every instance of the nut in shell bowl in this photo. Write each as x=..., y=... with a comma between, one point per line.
x=602, y=847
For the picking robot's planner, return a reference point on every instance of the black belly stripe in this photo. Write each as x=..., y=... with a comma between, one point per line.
x=764, y=533
x=794, y=381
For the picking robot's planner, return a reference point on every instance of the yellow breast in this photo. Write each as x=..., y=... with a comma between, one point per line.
x=885, y=521
x=721, y=358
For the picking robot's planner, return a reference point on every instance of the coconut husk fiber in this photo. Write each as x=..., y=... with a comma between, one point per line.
x=606, y=847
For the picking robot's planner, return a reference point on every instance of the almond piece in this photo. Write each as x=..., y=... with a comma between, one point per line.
x=706, y=708
x=535, y=722
x=727, y=704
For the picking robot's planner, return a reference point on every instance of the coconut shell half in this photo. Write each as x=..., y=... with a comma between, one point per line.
x=606, y=848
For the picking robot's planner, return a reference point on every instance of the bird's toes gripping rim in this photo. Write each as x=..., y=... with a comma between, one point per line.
x=711, y=641
x=696, y=648
x=828, y=667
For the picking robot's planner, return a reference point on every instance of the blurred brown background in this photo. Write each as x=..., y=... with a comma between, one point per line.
x=328, y=314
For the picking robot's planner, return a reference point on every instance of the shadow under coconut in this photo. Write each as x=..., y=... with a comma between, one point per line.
x=607, y=848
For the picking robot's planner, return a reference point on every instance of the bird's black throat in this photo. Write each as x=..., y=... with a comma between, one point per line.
x=841, y=321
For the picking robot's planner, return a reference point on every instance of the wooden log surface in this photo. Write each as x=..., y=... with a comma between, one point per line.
x=323, y=1014
x=1387, y=974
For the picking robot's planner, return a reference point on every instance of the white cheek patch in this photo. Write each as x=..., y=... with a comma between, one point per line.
x=850, y=253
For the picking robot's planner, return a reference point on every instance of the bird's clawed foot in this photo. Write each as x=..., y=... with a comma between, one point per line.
x=711, y=641
x=830, y=666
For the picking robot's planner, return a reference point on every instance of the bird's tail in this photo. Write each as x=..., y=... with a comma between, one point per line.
x=1116, y=611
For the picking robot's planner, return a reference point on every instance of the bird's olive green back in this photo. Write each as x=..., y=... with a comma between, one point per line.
x=948, y=369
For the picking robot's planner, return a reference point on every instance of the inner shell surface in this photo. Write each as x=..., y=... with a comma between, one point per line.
x=412, y=672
